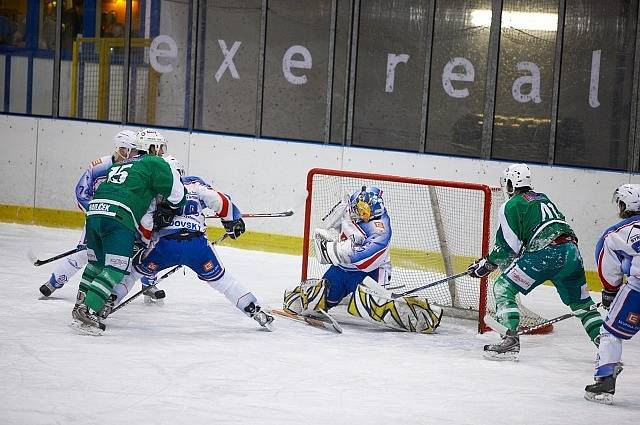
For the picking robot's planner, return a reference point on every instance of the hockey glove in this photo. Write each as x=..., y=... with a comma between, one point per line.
x=234, y=228
x=328, y=252
x=163, y=215
x=607, y=298
x=481, y=268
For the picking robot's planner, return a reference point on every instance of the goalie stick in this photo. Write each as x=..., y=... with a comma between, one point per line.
x=287, y=213
x=37, y=262
x=326, y=322
x=502, y=329
x=428, y=285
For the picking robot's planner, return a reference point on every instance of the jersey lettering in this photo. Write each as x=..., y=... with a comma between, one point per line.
x=548, y=211
x=118, y=175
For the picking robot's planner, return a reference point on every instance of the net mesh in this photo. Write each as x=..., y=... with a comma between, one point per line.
x=436, y=232
x=98, y=79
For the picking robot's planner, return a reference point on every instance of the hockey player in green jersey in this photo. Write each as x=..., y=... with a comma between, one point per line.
x=533, y=244
x=113, y=218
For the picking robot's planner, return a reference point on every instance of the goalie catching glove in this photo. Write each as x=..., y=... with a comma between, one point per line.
x=331, y=252
x=481, y=268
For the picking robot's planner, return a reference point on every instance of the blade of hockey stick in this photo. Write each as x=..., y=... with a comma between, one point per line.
x=37, y=262
x=329, y=324
x=500, y=328
x=429, y=285
x=287, y=213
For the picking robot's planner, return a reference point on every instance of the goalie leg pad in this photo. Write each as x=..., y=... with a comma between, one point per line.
x=408, y=314
x=309, y=296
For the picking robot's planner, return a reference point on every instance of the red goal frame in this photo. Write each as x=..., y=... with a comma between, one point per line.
x=485, y=189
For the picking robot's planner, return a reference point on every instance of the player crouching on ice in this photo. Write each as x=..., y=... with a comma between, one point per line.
x=617, y=257
x=356, y=243
x=533, y=244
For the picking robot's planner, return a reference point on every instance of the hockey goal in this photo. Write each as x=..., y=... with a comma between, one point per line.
x=439, y=227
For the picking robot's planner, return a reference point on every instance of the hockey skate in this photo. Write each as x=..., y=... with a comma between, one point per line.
x=49, y=287
x=85, y=321
x=108, y=307
x=153, y=295
x=604, y=388
x=507, y=349
x=257, y=314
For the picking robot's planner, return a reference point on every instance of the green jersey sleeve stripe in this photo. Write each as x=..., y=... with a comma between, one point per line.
x=545, y=224
x=507, y=232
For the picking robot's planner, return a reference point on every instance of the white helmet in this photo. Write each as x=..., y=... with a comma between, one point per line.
x=515, y=176
x=175, y=164
x=150, y=137
x=125, y=139
x=629, y=194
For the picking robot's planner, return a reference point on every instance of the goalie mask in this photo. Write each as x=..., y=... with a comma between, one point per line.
x=149, y=138
x=367, y=204
x=627, y=197
x=514, y=177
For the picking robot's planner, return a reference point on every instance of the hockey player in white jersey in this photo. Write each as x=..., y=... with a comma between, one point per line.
x=356, y=246
x=184, y=242
x=123, y=143
x=618, y=259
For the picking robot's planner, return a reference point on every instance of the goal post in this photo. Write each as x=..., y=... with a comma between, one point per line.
x=438, y=228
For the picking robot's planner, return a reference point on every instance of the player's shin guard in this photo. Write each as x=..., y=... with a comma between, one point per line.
x=507, y=312
x=101, y=287
x=590, y=318
x=309, y=296
x=408, y=314
x=90, y=272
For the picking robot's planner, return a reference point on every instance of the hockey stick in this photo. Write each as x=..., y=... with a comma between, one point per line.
x=37, y=262
x=164, y=276
x=329, y=324
x=144, y=289
x=429, y=285
x=502, y=329
x=287, y=213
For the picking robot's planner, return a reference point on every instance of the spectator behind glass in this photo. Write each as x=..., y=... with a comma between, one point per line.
x=5, y=31
x=110, y=26
x=20, y=33
x=48, y=30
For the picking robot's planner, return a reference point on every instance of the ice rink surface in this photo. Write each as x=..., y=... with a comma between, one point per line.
x=198, y=360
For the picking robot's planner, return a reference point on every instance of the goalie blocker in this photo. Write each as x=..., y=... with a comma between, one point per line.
x=407, y=314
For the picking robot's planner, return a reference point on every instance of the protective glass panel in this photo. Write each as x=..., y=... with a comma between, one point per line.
x=91, y=70
x=596, y=83
x=390, y=74
x=458, y=77
x=26, y=56
x=227, y=72
x=525, y=80
x=340, y=72
x=295, y=79
x=160, y=64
